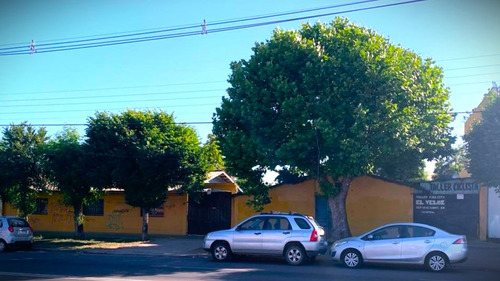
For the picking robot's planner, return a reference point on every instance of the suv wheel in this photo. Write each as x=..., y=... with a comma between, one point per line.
x=221, y=251
x=295, y=254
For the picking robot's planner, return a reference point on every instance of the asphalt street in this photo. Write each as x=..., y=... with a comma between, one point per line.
x=181, y=258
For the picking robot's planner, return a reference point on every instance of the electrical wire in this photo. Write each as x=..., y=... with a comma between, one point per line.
x=115, y=95
x=72, y=46
x=190, y=26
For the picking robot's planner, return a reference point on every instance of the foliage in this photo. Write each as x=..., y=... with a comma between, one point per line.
x=5, y=177
x=336, y=100
x=449, y=166
x=22, y=150
x=145, y=153
x=70, y=169
x=211, y=154
x=483, y=143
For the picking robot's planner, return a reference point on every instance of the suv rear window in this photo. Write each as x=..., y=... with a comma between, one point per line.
x=18, y=223
x=302, y=223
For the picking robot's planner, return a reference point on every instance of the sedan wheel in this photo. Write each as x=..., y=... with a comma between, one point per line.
x=295, y=255
x=352, y=259
x=436, y=262
x=221, y=252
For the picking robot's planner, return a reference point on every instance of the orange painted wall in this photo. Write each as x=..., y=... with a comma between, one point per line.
x=284, y=198
x=118, y=216
x=370, y=202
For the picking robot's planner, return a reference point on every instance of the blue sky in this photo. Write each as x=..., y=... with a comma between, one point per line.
x=187, y=76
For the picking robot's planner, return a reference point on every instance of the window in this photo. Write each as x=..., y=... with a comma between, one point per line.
x=302, y=223
x=390, y=232
x=417, y=231
x=253, y=224
x=16, y=222
x=94, y=209
x=41, y=206
x=277, y=224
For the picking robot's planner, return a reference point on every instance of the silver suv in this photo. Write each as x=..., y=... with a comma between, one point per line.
x=295, y=236
x=15, y=231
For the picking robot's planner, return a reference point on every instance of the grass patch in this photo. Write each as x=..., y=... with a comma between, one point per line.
x=66, y=243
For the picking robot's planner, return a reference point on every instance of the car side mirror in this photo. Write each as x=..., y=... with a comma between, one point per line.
x=238, y=228
x=368, y=237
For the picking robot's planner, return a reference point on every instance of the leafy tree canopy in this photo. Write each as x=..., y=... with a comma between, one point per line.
x=483, y=143
x=146, y=152
x=71, y=169
x=22, y=149
x=449, y=166
x=337, y=100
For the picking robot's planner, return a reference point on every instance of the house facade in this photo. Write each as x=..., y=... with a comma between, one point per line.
x=371, y=202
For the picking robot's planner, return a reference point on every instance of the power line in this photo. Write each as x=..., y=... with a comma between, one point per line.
x=107, y=109
x=107, y=102
x=470, y=75
x=81, y=124
x=163, y=29
x=70, y=46
x=471, y=67
x=471, y=57
x=197, y=122
x=111, y=96
x=111, y=88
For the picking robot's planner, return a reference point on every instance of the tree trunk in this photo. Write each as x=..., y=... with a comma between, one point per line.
x=340, y=225
x=78, y=223
x=145, y=220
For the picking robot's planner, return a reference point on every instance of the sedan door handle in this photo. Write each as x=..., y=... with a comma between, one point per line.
x=428, y=241
x=395, y=242
x=258, y=233
x=286, y=232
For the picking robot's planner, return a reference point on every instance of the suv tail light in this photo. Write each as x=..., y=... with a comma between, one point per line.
x=31, y=230
x=11, y=229
x=460, y=241
x=314, y=236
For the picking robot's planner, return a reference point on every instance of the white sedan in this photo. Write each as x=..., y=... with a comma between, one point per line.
x=404, y=243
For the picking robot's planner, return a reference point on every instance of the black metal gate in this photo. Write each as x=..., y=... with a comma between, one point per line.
x=452, y=205
x=212, y=212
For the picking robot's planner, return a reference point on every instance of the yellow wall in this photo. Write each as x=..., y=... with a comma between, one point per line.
x=59, y=217
x=231, y=187
x=284, y=198
x=118, y=216
x=370, y=202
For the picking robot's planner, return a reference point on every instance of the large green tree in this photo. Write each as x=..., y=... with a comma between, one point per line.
x=21, y=157
x=5, y=177
x=449, y=166
x=332, y=102
x=145, y=153
x=71, y=169
x=483, y=143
